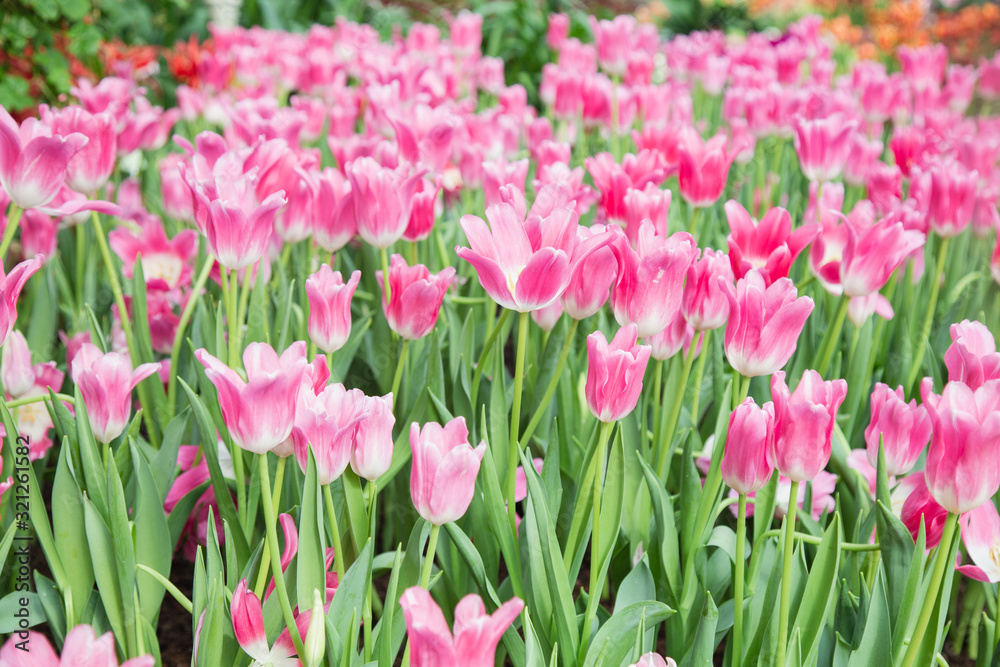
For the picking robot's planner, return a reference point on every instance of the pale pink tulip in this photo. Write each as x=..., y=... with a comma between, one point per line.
x=902, y=428
x=416, y=297
x=972, y=357
x=32, y=161
x=328, y=423
x=106, y=382
x=372, y=452
x=443, y=477
x=981, y=536
x=803, y=423
x=614, y=373
x=330, y=307
x=82, y=648
x=383, y=199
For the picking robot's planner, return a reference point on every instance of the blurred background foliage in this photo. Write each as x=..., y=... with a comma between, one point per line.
x=46, y=45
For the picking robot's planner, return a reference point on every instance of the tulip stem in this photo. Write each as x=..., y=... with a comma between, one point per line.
x=232, y=314
x=553, y=383
x=657, y=403
x=940, y=563
x=13, y=218
x=925, y=332
x=741, y=538
x=384, y=254
x=37, y=399
x=786, y=571
x=400, y=365
x=694, y=219
x=272, y=542
x=699, y=373
x=116, y=290
x=477, y=372
x=515, y=419
x=338, y=556
x=175, y=350
x=812, y=539
x=425, y=571
x=675, y=412
x=831, y=336
x=596, y=580
x=81, y=264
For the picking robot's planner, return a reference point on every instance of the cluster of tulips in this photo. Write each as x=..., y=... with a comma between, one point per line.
x=228, y=322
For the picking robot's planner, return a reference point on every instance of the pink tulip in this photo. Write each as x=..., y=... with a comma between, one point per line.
x=334, y=225
x=89, y=169
x=703, y=169
x=373, y=442
x=946, y=194
x=466, y=33
x=82, y=648
x=981, y=536
x=260, y=412
x=548, y=317
x=106, y=382
x=885, y=187
x=803, y=423
x=824, y=485
x=383, y=199
x=857, y=461
x=164, y=261
x=424, y=211
x=872, y=254
x=248, y=626
x=591, y=279
x=678, y=334
x=416, y=296
x=330, y=307
x=924, y=66
x=477, y=634
x=764, y=323
x=653, y=660
x=22, y=379
x=769, y=246
x=747, y=462
x=328, y=422
x=558, y=30
x=499, y=173
x=650, y=203
x=614, y=40
x=650, y=282
x=11, y=285
x=860, y=308
x=903, y=429
x=32, y=162
x=704, y=303
x=972, y=357
x=861, y=159
x=919, y=506
x=15, y=365
x=963, y=461
x=614, y=180
x=823, y=146
x=443, y=477
x=614, y=373
x=174, y=192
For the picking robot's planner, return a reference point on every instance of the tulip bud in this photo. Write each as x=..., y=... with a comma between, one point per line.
x=803, y=423
x=823, y=146
x=106, y=382
x=314, y=645
x=903, y=429
x=614, y=373
x=443, y=478
x=330, y=307
x=704, y=303
x=15, y=367
x=747, y=460
x=373, y=443
x=415, y=297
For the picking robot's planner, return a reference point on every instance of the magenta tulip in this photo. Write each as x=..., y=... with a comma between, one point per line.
x=591, y=279
x=704, y=168
x=769, y=246
x=918, y=506
x=382, y=200
x=328, y=422
x=872, y=254
x=32, y=162
x=106, y=382
x=823, y=146
x=903, y=429
x=443, y=477
x=972, y=357
x=803, y=423
x=90, y=168
x=614, y=373
x=704, y=303
x=764, y=323
x=330, y=307
x=981, y=536
x=747, y=462
x=416, y=296
x=248, y=626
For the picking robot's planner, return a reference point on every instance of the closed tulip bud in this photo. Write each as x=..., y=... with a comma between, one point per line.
x=330, y=307
x=963, y=461
x=614, y=373
x=903, y=429
x=747, y=462
x=415, y=297
x=382, y=200
x=764, y=323
x=443, y=477
x=981, y=535
x=314, y=643
x=803, y=423
x=972, y=357
x=654, y=660
x=823, y=146
x=372, y=452
x=328, y=423
x=15, y=365
x=704, y=303
x=106, y=382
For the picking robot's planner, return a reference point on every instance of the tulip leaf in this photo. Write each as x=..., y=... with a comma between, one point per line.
x=496, y=511
x=348, y=601
x=820, y=589
x=311, y=557
x=213, y=626
x=356, y=511
x=143, y=346
x=90, y=460
x=52, y=605
x=876, y=641
x=102, y=554
x=7, y=541
x=42, y=324
x=124, y=553
x=612, y=502
x=284, y=318
x=69, y=531
x=933, y=637
x=499, y=429
x=165, y=460
x=701, y=652
x=10, y=605
x=257, y=313
x=663, y=545
x=152, y=537
x=615, y=639
x=345, y=356
x=383, y=631
x=906, y=606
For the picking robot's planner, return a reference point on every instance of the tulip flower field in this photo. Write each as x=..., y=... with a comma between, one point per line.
x=355, y=357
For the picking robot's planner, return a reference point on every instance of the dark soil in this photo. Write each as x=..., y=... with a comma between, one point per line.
x=174, y=631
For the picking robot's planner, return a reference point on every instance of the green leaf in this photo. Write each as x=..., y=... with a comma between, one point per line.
x=820, y=588
x=612, y=502
x=496, y=511
x=70, y=533
x=90, y=459
x=383, y=636
x=11, y=605
x=665, y=547
x=348, y=601
x=124, y=553
x=213, y=626
x=616, y=638
x=102, y=554
x=153, y=547
x=876, y=642
x=703, y=648
x=310, y=560
x=165, y=461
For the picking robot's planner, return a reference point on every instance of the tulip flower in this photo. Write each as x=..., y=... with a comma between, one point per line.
x=764, y=323
x=445, y=465
x=963, y=461
x=981, y=535
x=330, y=307
x=860, y=308
x=650, y=203
x=16, y=370
x=639, y=173
x=823, y=146
x=164, y=261
x=704, y=303
x=703, y=168
x=747, y=461
x=476, y=636
x=650, y=282
x=548, y=317
x=260, y=412
x=920, y=507
x=11, y=285
x=82, y=648
x=334, y=225
x=372, y=451
x=614, y=373
x=415, y=297
x=946, y=194
x=803, y=423
x=383, y=199
x=872, y=254
x=614, y=40
x=424, y=211
x=678, y=334
x=591, y=279
x=328, y=422
x=653, y=660
x=558, y=30
x=90, y=167
x=32, y=162
x=106, y=382
x=972, y=357
x=903, y=429
x=23, y=379
x=248, y=626
x=769, y=246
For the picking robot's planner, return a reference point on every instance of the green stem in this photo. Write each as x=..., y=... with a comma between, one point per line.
x=400, y=365
x=175, y=592
x=384, y=254
x=741, y=538
x=279, y=480
x=81, y=263
x=940, y=563
x=338, y=556
x=13, y=219
x=812, y=539
x=366, y=612
x=925, y=332
x=241, y=491
x=657, y=401
x=477, y=372
x=832, y=336
x=675, y=412
x=694, y=219
x=175, y=350
x=16, y=403
x=596, y=583
x=272, y=542
x=234, y=322
x=553, y=383
x=425, y=571
x=515, y=420
x=699, y=373
x=786, y=572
